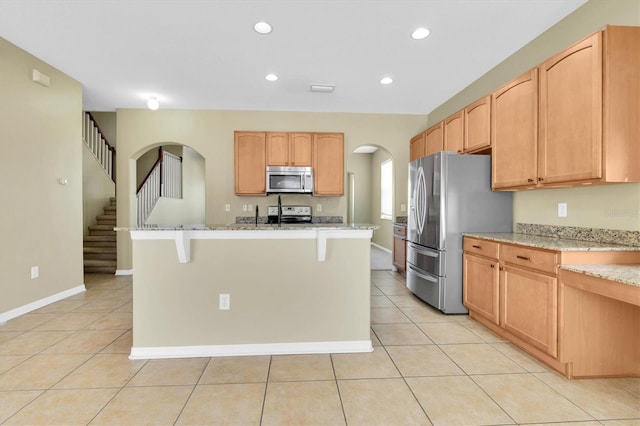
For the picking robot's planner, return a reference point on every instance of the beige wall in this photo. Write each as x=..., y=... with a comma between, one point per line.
x=587, y=206
x=190, y=208
x=211, y=134
x=270, y=303
x=40, y=219
x=360, y=166
x=106, y=121
x=97, y=188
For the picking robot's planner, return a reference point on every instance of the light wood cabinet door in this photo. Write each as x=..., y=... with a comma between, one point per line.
x=434, y=139
x=250, y=163
x=477, y=125
x=300, y=149
x=481, y=284
x=328, y=164
x=278, y=149
x=417, y=147
x=514, y=133
x=571, y=113
x=454, y=132
x=529, y=307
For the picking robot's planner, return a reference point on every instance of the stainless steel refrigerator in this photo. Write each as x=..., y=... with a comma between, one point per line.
x=449, y=194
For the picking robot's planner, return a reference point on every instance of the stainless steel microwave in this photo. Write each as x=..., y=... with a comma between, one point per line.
x=297, y=180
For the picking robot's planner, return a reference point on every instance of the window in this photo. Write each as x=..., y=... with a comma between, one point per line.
x=386, y=189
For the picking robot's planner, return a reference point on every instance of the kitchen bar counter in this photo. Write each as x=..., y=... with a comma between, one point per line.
x=247, y=290
x=625, y=274
x=550, y=243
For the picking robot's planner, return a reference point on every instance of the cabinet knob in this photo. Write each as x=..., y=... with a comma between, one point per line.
x=530, y=180
x=540, y=179
x=493, y=266
x=501, y=268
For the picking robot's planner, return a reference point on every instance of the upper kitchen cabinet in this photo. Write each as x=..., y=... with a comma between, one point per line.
x=434, y=139
x=514, y=133
x=417, y=147
x=328, y=164
x=477, y=126
x=250, y=163
x=589, y=110
x=454, y=132
x=288, y=149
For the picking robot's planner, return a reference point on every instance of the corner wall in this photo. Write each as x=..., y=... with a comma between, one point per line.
x=40, y=219
x=607, y=206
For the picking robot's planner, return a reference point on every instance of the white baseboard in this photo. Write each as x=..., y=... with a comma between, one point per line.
x=124, y=271
x=251, y=349
x=382, y=248
x=14, y=313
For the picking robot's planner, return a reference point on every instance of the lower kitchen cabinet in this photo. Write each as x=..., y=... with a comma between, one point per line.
x=529, y=307
x=515, y=291
x=400, y=248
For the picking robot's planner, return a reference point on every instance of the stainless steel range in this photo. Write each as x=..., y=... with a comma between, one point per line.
x=290, y=214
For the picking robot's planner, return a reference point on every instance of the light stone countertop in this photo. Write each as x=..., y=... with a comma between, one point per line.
x=550, y=243
x=626, y=274
x=253, y=227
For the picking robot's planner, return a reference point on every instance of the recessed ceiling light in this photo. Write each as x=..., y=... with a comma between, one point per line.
x=386, y=80
x=153, y=103
x=420, y=33
x=271, y=77
x=262, y=28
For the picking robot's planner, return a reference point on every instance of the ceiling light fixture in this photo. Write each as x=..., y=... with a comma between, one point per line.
x=271, y=77
x=386, y=80
x=262, y=28
x=420, y=33
x=153, y=103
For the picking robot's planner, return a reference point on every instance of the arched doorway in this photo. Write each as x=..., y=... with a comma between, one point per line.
x=370, y=199
x=188, y=206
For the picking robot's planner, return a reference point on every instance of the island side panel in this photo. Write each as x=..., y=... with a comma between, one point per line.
x=279, y=291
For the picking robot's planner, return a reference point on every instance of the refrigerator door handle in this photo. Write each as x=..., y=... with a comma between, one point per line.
x=422, y=251
x=421, y=275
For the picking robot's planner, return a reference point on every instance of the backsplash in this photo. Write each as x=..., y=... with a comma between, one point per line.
x=401, y=219
x=609, y=236
x=315, y=219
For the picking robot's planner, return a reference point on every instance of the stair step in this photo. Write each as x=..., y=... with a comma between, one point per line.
x=112, y=200
x=111, y=222
x=100, y=256
x=101, y=250
x=100, y=238
x=98, y=262
x=106, y=216
x=99, y=269
x=110, y=209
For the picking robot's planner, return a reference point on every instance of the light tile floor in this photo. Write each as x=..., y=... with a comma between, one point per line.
x=67, y=364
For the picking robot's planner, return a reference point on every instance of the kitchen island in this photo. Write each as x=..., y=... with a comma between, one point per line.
x=289, y=289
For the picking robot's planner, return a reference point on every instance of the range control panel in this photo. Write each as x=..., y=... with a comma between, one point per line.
x=290, y=210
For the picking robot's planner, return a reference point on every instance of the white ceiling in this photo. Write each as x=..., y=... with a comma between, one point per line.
x=204, y=54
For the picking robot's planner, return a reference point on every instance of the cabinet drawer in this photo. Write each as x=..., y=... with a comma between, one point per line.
x=530, y=258
x=399, y=231
x=481, y=247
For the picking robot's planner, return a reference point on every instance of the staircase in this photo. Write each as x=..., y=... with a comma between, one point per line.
x=100, y=245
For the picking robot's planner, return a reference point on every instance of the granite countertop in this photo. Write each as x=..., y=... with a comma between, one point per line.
x=550, y=243
x=252, y=227
x=626, y=274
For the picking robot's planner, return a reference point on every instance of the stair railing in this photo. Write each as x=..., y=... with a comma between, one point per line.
x=163, y=180
x=103, y=152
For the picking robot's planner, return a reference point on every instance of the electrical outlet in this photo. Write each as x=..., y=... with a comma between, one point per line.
x=225, y=302
x=244, y=207
x=562, y=209
x=250, y=208
x=227, y=207
x=35, y=272
x=403, y=207
x=319, y=208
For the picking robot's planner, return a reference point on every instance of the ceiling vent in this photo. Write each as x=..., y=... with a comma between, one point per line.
x=322, y=88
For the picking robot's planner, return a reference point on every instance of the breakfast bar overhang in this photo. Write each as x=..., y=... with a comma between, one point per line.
x=293, y=289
